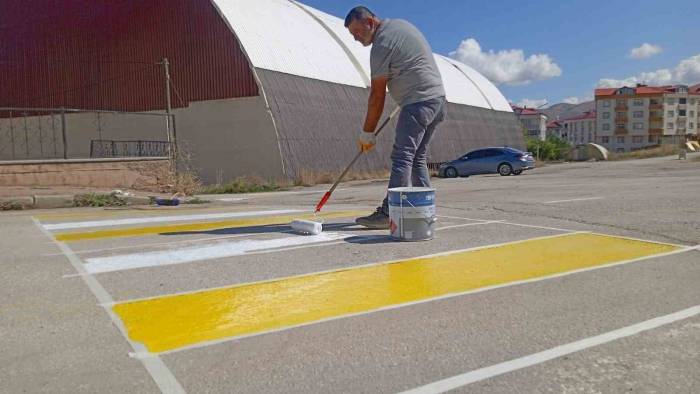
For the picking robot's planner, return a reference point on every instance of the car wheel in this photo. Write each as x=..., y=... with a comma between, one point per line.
x=505, y=169
x=517, y=172
x=451, y=172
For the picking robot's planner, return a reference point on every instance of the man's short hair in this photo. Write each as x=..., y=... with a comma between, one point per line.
x=358, y=13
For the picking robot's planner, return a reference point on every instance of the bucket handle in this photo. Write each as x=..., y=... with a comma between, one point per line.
x=429, y=221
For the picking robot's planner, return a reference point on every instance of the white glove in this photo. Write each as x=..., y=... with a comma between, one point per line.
x=367, y=140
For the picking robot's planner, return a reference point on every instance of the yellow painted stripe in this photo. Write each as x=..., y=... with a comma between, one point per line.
x=176, y=321
x=178, y=228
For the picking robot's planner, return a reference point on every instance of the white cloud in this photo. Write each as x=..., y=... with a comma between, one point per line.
x=645, y=51
x=687, y=72
x=531, y=103
x=577, y=100
x=506, y=66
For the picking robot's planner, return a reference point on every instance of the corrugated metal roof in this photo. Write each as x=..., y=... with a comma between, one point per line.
x=459, y=89
x=490, y=91
x=277, y=35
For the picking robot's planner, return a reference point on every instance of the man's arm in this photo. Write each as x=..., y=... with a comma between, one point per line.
x=375, y=105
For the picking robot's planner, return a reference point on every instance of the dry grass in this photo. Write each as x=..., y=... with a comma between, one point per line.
x=663, y=150
x=247, y=184
x=310, y=178
x=184, y=181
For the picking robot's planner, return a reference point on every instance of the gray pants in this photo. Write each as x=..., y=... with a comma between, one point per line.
x=414, y=130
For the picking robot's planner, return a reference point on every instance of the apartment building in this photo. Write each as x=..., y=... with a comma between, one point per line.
x=533, y=121
x=577, y=130
x=632, y=118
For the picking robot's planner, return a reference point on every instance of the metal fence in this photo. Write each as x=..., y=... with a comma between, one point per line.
x=62, y=133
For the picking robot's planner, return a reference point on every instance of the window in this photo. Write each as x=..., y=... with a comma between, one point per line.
x=669, y=125
x=670, y=113
x=681, y=112
x=670, y=101
x=692, y=114
x=606, y=103
x=638, y=102
x=682, y=100
x=638, y=126
x=621, y=140
x=637, y=139
x=606, y=126
x=605, y=140
x=620, y=114
x=691, y=125
x=620, y=125
x=653, y=139
x=692, y=101
x=606, y=115
x=620, y=102
x=638, y=114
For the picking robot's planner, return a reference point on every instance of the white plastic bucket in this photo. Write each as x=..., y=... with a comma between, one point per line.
x=412, y=213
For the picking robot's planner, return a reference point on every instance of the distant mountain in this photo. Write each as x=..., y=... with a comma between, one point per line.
x=564, y=110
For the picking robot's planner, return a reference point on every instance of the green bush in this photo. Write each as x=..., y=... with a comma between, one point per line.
x=550, y=149
x=242, y=185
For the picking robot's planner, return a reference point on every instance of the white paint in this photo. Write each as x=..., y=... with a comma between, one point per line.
x=164, y=219
x=461, y=218
x=161, y=375
x=540, y=227
x=198, y=253
x=483, y=289
x=454, y=382
x=468, y=224
x=233, y=199
x=574, y=199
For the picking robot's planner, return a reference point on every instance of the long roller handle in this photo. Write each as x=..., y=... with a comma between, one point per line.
x=326, y=196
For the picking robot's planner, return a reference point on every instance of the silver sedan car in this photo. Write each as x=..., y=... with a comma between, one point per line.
x=503, y=161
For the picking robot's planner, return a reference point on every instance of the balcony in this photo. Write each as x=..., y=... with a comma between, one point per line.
x=656, y=106
x=621, y=130
x=621, y=107
x=656, y=118
x=656, y=131
x=621, y=119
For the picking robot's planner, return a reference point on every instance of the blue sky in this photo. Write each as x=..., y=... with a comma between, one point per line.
x=567, y=47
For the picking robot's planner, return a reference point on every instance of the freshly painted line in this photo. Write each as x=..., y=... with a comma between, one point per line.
x=469, y=224
x=164, y=219
x=461, y=218
x=470, y=292
x=566, y=230
x=305, y=246
x=233, y=199
x=454, y=382
x=256, y=308
x=574, y=199
x=161, y=375
x=174, y=229
x=97, y=265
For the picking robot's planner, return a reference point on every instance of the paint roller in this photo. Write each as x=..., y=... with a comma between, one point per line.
x=312, y=227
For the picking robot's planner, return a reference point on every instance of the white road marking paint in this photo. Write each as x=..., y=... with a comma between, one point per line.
x=461, y=218
x=574, y=199
x=454, y=382
x=566, y=230
x=164, y=219
x=468, y=224
x=218, y=250
x=233, y=199
x=163, y=377
x=470, y=292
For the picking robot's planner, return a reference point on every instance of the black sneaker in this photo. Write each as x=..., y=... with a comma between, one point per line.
x=378, y=220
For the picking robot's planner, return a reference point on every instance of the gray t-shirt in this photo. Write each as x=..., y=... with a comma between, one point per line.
x=401, y=53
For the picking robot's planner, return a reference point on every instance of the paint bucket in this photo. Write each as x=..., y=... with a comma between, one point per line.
x=412, y=213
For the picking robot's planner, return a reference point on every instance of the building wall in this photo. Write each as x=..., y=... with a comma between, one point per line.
x=103, y=55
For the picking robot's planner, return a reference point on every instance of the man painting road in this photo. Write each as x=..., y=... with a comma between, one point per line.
x=400, y=59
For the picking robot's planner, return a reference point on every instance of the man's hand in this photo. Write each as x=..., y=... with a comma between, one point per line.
x=367, y=140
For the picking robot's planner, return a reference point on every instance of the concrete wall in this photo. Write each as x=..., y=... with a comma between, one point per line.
x=140, y=174
x=230, y=138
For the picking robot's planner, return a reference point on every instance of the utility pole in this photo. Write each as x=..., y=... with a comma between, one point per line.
x=168, y=106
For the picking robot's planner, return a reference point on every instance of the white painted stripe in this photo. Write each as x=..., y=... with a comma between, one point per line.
x=574, y=199
x=198, y=253
x=454, y=382
x=164, y=219
x=232, y=199
x=161, y=375
x=448, y=296
x=468, y=225
x=461, y=218
x=540, y=227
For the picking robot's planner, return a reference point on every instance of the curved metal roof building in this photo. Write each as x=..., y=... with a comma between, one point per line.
x=266, y=87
